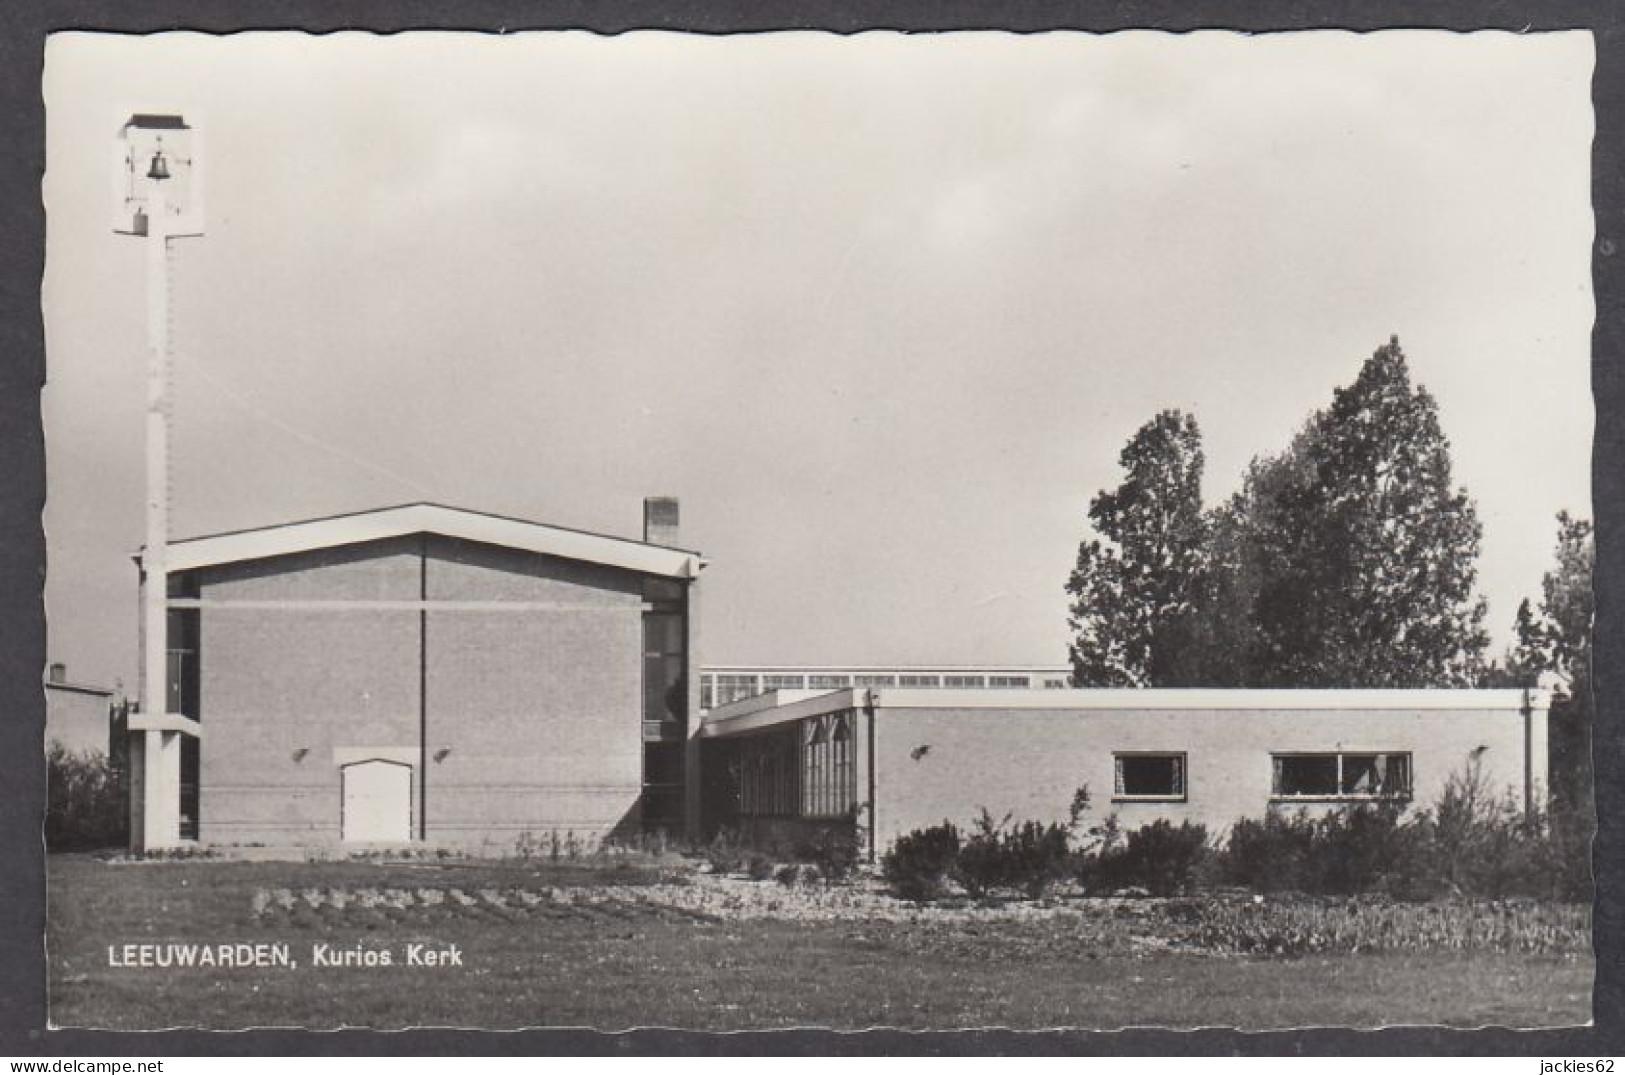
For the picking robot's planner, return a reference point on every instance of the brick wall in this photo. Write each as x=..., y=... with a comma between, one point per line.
x=530, y=698
x=538, y=711
x=280, y=690
x=936, y=764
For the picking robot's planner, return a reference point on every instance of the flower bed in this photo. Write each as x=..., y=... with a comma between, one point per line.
x=1219, y=925
x=1302, y=926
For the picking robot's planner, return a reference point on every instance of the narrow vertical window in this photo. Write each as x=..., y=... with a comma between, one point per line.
x=665, y=702
x=841, y=741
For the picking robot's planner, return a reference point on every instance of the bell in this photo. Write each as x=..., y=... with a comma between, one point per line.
x=160, y=167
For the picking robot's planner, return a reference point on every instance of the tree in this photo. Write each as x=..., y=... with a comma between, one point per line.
x=1348, y=560
x=1134, y=585
x=1371, y=552
x=1228, y=647
x=1558, y=640
x=86, y=801
x=1554, y=648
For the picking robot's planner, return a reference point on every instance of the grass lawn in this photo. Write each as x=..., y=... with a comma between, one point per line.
x=618, y=963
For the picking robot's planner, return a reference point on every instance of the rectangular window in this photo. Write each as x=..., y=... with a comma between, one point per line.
x=180, y=670
x=665, y=703
x=1341, y=775
x=665, y=685
x=1313, y=775
x=1009, y=681
x=707, y=692
x=1055, y=684
x=734, y=688
x=875, y=681
x=962, y=681
x=181, y=693
x=784, y=683
x=828, y=683
x=921, y=681
x=1150, y=777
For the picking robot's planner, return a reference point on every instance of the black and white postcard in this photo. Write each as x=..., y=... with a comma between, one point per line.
x=750, y=532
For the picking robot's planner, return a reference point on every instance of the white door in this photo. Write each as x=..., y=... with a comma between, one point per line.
x=377, y=802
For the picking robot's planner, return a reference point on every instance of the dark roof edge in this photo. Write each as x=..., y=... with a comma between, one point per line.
x=81, y=688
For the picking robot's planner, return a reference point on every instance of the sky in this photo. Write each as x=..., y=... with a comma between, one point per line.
x=880, y=310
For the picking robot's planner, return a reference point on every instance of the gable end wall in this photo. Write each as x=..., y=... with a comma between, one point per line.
x=534, y=711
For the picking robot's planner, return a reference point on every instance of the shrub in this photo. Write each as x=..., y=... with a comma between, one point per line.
x=724, y=853
x=1270, y=855
x=86, y=801
x=835, y=853
x=1359, y=849
x=1158, y=857
x=1471, y=843
x=758, y=867
x=1034, y=856
x=1368, y=849
x=980, y=865
x=1485, y=845
x=1093, y=841
x=916, y=866
x=788, y=874
x=1027, y=857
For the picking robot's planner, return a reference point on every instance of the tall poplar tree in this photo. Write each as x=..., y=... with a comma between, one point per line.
x=1372, y=549
x=1134, y=584
x=1241, y=551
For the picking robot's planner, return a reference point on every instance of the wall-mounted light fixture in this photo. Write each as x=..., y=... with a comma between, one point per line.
x=441, y=754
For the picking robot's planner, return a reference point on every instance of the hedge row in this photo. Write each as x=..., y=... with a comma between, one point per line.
x=1470, y=843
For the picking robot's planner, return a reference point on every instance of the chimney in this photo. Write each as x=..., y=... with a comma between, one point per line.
x=660, y=520
x=59, y=672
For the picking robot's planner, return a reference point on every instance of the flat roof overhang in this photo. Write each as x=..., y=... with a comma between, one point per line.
x=779, y=707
